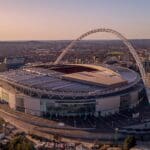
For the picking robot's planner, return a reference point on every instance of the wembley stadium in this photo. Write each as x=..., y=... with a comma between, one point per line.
x=71, y=90
x=83, y=101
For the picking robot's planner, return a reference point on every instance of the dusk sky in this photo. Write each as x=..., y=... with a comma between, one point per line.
x=67, y=19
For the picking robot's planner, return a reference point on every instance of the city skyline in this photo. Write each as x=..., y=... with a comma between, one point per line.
x=54, y=20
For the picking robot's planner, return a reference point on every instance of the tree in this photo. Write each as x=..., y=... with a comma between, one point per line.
x=129, y=142
x=57, y=137
x=20, y=143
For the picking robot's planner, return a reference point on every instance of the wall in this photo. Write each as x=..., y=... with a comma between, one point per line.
x=108, y=105
x=10, y=96
x=134, y=98
x=32, y=105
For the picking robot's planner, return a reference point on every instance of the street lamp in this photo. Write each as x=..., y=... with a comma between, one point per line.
x=4, y=128
x=116, y=135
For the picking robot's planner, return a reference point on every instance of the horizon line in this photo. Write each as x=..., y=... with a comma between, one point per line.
x=74, y=39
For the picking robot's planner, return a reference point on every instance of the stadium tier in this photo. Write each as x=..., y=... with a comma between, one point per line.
x=71, y=90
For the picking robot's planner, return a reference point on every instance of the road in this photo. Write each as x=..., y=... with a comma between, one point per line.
x=46, y=128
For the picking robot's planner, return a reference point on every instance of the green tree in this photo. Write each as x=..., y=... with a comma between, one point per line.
x=20, y=143
x=18, y=147
x=57, y=137
x=129, y=142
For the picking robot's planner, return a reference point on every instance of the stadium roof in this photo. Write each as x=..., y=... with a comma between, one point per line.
x=71, y=78
x=100, y=76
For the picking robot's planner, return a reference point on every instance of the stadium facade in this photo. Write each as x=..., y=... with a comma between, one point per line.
x=71, y=90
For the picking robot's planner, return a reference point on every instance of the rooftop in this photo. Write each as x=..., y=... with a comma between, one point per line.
x=52, y=78
x=99, y=76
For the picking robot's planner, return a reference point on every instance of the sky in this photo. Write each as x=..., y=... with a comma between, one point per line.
x=68, y=19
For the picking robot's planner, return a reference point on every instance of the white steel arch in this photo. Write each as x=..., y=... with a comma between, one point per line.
x=119, y=35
